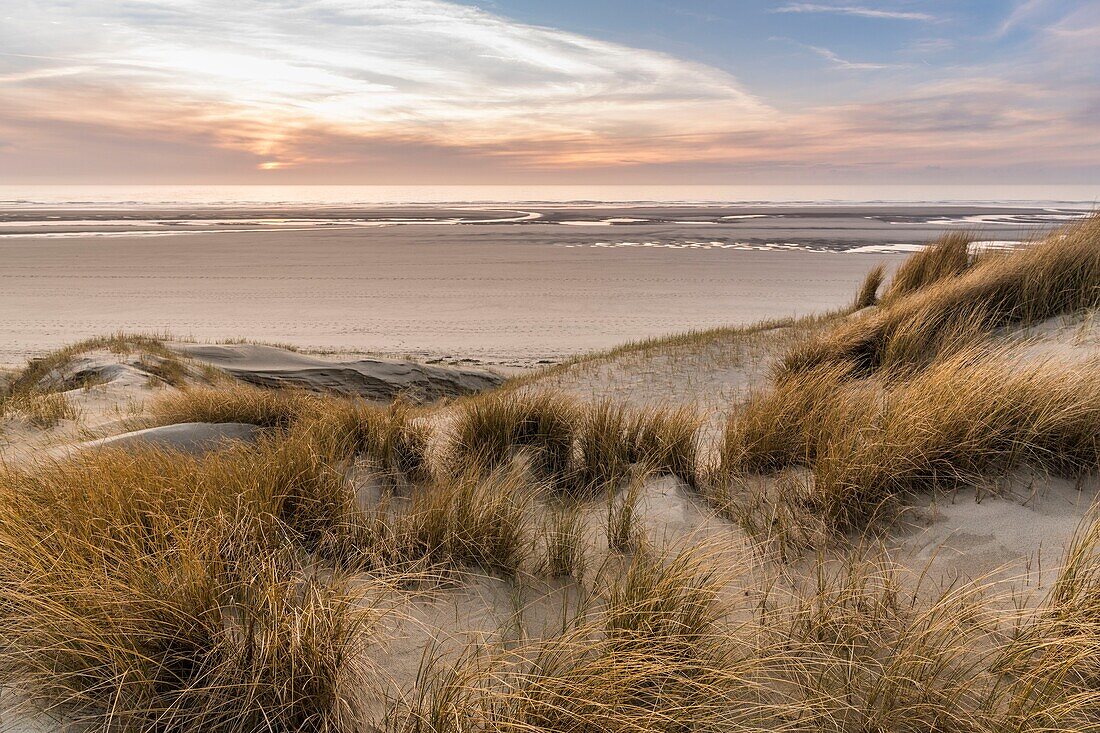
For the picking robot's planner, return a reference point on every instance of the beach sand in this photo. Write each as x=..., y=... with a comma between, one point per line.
x=426, y=291
x=509, y=286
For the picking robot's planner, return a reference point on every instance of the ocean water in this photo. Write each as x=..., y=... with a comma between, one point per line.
x=814, y=218
x=19, y=197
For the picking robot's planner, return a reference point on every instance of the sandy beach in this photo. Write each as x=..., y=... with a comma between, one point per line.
x=412, y=281
x=440, y=366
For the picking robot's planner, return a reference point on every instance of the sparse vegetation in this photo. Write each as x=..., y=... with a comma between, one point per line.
x=1060, y=274
x=868, y=290
x=564, y=536
x=238, y=404
x=623, y=519
x=241, y=590
x=37, y=374
x=41, y=409
x=947, y=257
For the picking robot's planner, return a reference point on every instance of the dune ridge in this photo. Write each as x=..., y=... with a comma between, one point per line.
x=879, y=518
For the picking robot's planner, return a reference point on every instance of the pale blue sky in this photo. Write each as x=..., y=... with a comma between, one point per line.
x=570, y=91
x=779, y=48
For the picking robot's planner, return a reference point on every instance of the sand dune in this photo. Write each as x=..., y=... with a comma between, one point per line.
x=376, y=379
x=185, y=437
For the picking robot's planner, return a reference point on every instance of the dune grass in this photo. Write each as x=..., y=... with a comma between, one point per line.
x=41, y=409
x=624, y=520
x=947, y=257
x=151, y=591
x=490, y=429
x=857, y=644
x=32, y=378
x=564, y=539
x=915, y=397
x=471, y=520
x=580, y=448
x=653, y=659
x=981, y=412
x=1058, y=275
x=868, y=290
x=237, y=403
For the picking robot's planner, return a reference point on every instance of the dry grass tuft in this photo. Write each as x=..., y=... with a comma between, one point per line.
x=564, y=535
x=947, y=257
x=154, y=591
x=237, y=403
x=490, y=429
x=605, y=449
x=41, y=409
x=1060, y=274
x=472, y=519
x=977, y=413
x=580, y=449
x=868, y=290
x=623, y=518
x=779, y=427
x=665, y=440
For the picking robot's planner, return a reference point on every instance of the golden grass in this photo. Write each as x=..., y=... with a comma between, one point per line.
x=151, y=591
x=1060, y=274
x=227, y=602
x=1054, y=659
x=470, y=520
x=31, y=377
x=868, y=290
x=974, y=415
x=623, y=516
x=977, y=413
x=580, y=448
x=237, y=403
x=654, y=659
x=41, y=409
x=564, y=539
x=945, y=258
x=490, y=429
x=777, y=426
x=855, y=645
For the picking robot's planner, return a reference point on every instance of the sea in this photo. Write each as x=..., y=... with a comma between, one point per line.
x=123, y=196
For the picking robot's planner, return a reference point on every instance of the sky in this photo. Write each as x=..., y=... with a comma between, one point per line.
x=540, y=91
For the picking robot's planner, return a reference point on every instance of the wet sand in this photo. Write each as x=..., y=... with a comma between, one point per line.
x=496, y=291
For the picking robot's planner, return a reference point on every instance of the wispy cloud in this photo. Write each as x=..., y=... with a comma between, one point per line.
x=842, y=63
x=257, y=76
x=861, y=11
x=835, y=60
x=418, y=91
x=1020, y=13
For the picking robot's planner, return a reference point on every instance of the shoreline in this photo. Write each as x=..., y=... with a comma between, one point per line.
x=497, y=292
x=402, y=290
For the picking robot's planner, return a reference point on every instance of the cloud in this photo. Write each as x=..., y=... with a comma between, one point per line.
x=856, y=10
x=258, y=76
x=841, y=63
x=1023, y=10
x=835, y=60
x=430, y=91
